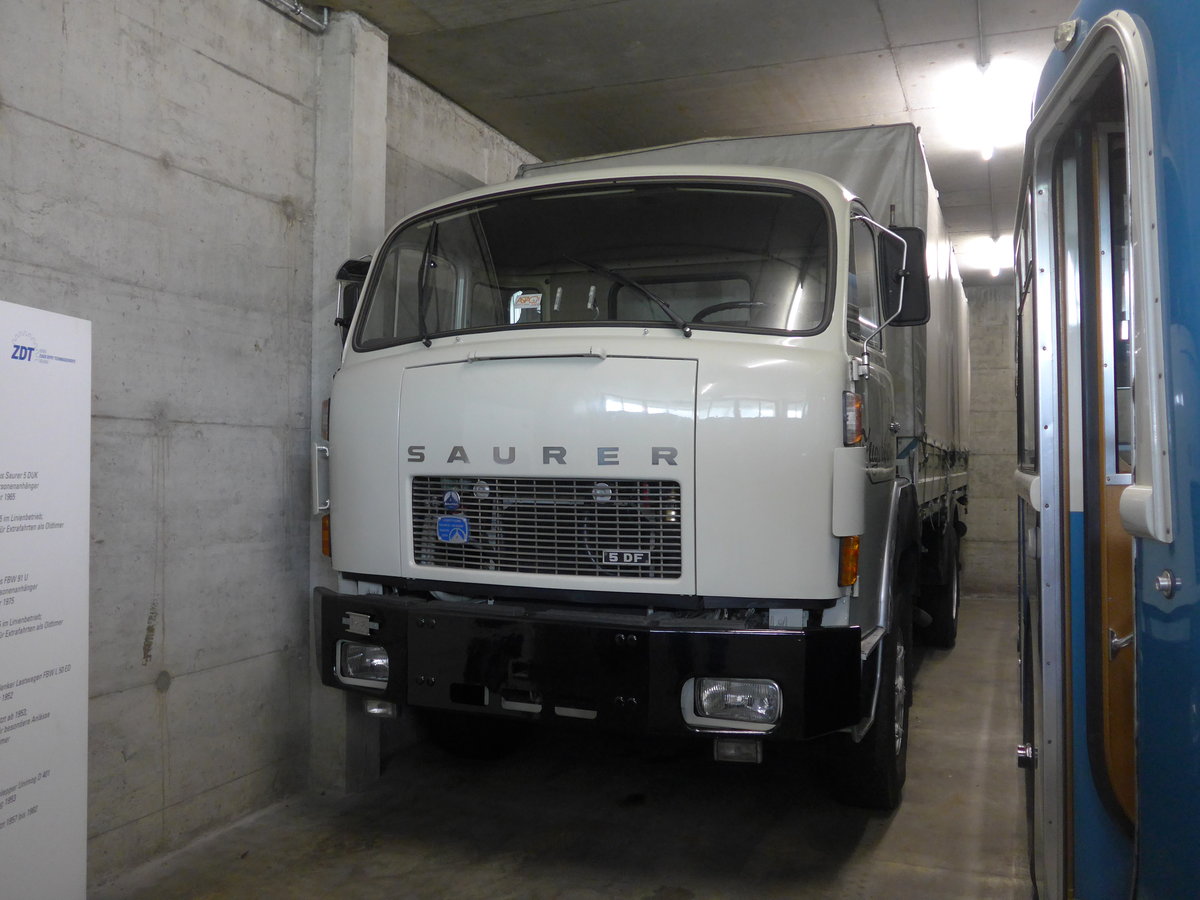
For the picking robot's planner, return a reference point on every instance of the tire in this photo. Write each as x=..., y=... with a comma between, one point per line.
x=941, y=601
x=873, y=771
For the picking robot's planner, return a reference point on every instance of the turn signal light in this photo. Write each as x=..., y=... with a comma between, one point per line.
x=852, y=418
x=326, y=537
x=848, y=561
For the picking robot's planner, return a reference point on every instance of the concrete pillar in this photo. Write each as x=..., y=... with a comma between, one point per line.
x=350, y=176
x=990, y=548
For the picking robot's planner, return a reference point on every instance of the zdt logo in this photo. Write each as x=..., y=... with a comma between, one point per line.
x=21, y=352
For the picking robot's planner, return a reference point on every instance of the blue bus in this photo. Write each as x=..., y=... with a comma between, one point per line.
x=1108, y=386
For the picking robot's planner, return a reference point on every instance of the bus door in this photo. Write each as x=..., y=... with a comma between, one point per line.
x=1092, y=473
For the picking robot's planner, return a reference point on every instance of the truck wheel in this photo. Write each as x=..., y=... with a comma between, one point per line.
x=942, y=606
x=873, y=770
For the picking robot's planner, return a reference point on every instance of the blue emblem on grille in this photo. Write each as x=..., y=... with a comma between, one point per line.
x=453, y=529
x=452, y=500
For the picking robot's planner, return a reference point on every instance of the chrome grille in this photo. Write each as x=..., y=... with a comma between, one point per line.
x=548, y=526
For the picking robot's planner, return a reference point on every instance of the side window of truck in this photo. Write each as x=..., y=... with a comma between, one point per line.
x=862, y=292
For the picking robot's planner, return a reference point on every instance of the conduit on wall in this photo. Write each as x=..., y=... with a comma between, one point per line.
x=298, y=12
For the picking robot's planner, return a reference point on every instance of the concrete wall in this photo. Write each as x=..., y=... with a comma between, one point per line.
x=157, y=177
x=436, y=149
x=990, y=548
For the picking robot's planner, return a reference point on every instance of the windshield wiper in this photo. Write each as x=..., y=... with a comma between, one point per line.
x=625, y=280
x=423, y=281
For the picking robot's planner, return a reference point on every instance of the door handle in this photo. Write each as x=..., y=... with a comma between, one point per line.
x=1027, y=756
x=1117, y=644
x=320, y=496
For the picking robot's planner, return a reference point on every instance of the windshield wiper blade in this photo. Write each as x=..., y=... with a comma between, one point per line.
x=625, y=280
x=423, y=281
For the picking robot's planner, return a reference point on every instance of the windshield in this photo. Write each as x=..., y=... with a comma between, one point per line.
x=710, y=255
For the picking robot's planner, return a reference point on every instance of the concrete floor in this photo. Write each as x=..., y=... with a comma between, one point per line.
x=573, y=817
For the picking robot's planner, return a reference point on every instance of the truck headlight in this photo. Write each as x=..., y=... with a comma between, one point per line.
x=738, y=699
x=362, y=662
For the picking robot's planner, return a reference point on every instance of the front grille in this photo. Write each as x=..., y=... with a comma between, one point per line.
x=548, y=526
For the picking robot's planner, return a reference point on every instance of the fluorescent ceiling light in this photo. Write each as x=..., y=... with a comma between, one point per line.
x=983, y=253
x=990, y=108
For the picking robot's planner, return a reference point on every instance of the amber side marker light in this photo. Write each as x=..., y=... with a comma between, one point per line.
x=852, y=419
x=327, y=537
x=848, y=562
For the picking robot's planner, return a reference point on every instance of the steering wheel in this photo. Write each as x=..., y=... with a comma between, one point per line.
x=728, y=304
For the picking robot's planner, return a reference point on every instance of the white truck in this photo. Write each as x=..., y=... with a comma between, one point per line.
x=668, y=442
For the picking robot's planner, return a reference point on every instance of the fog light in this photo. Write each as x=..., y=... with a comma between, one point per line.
x=743, y=750
x=362, y=662
x=383, y=709
x=737, y=699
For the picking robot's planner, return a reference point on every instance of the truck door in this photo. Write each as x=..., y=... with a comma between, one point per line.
x=863, y=318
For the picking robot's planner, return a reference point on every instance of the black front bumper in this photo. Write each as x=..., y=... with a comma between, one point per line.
x=616, y=671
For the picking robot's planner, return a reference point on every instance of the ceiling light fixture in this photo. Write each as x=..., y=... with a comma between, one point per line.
x=983, y=253
x=991, y=106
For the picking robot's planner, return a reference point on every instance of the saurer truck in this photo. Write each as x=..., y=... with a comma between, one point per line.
x=668, y=443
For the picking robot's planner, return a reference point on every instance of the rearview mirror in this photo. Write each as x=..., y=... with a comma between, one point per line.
x=350, y=278
x=907, y=268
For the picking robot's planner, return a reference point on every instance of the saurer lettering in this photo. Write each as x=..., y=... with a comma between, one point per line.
x=504, y=456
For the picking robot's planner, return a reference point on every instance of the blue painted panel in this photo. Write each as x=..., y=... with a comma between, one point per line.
x=1168, y=674
x=1168, y=629
x=1103, y=854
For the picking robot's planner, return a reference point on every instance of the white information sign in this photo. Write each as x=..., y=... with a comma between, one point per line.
x=45, y=477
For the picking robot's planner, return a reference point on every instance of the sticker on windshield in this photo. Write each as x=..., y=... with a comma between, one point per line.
x=525, y=306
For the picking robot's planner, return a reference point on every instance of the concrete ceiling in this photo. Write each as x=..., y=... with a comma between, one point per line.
x=570, y=78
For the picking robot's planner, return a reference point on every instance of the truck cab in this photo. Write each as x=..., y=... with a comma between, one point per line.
x=622, y=447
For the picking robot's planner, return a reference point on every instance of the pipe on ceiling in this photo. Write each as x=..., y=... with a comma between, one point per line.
x=299, y=13
x=982, y=59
